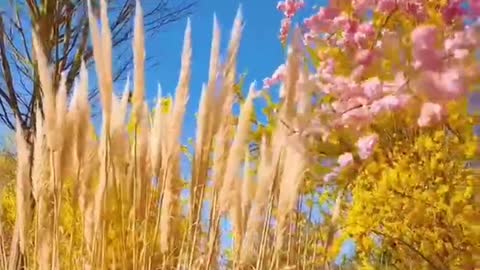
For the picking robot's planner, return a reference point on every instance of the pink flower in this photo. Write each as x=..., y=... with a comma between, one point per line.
x=461, y=54
x=349, y=104
x=356, y=118
x=365, y=32
x=442, y=86
x=329, y=177
x=366, y=145
x=332, y=175
x=474, y=7
x=373, y=88
x=386, y=6
x=290, y=7
x=322, y=21
x=398, y=85
x=276, y=78
x=329, y=66
x=427, y=84
x=345, y=159
x=309, y=38
x=345, y=23
x=460, y=45
x=456, y=42
x=357, y=73
x=284, y=29
x=390, y=103
x=427, y=59
x=430, y=114
x=415, y=8
x=424, y=37
x=452, y=84
x=361, y=6
x=364, y=57
x=452, y=11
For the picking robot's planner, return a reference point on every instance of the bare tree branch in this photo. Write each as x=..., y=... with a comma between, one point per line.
x=7, y=75
x=63, y=30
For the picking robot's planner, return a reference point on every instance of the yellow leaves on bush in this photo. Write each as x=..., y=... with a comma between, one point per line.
x=419, y=200
x=7, y=190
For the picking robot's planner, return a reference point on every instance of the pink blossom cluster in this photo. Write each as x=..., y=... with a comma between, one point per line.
x=442, y=69
x=366, y=146
x=414, y=8
x=276, y=78
x=358, y=104
x=436, y=67
x=289, y=8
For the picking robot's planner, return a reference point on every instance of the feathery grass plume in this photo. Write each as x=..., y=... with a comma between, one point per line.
x=256, y=216
x=227, y=96
x=79, y=118
x=200, y=168
x=48, y=97
x=106, y=48
x=99, y=199
x=220, y=127
x=293, y=67
x=303, y=100
x=332, y=226
x=204, y=132
x=291, y=111
x=140, y=159
x=220, y=154
x=279, y=136
x=305, y=87
x=139, y=151
x=102, y=48
x=59, y=162
x=54, y=133
x=79, y=115
x=23, y=186
x=230, y=69
x=138, y=59
x=205, y=116
x=40, y=190
x=182, y=92
x=287, y=113
x=247, y=189
x=292, y=178
x=64, y=133
x=156, y=136
x=214, y=55
x=229, y=194
x=279, y=142
x=86, y=196
x=141, y=178
x=210, y=98
x=98, y=56
x=119, y=154
x=237, y=147
x=171, y=191
x=40, y=154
